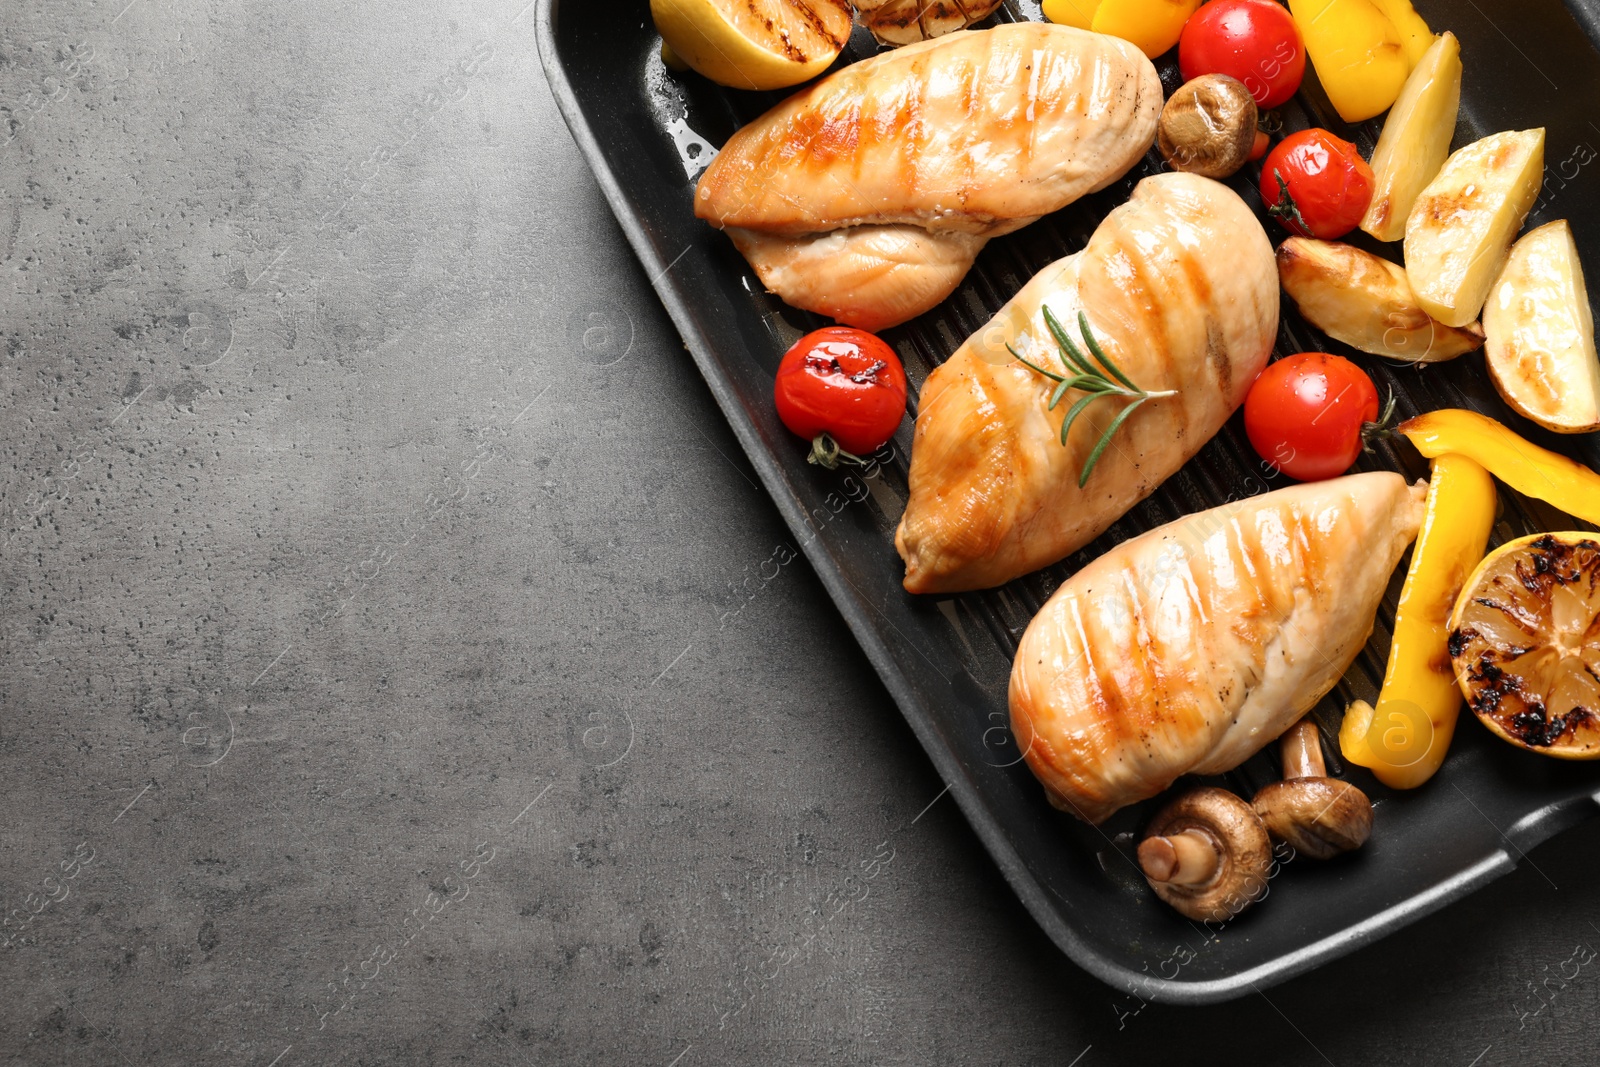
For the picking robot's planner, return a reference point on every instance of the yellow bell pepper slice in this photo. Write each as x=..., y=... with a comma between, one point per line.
x=1359, y=56
x=1404, y=740
x=1414, y=33
x=1521, y=464
x=1079, y=13
x=1153, y=25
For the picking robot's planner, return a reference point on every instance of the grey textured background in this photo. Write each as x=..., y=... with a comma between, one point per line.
x=375, y=561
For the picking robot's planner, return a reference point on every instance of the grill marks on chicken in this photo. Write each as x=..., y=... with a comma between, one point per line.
x=1186, y=650
x=974, y=134
x=1180, y=288
x=953, y=134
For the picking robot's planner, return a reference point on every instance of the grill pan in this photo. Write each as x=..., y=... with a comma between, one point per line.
x=647, y=133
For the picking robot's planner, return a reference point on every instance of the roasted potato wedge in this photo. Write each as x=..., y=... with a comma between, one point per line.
x=1460, y=228
x=1415, y=139
x=1541, y=351
x=1366, y=302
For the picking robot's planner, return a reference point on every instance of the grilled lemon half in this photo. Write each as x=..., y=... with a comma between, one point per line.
x=755, y=44
x=1525, y=643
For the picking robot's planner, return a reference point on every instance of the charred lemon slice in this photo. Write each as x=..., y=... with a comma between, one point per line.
x=1525, y=642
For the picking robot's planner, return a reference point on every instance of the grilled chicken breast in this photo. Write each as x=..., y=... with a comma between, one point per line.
x=1186, y=650
x=869, y=276
x=976, y=133
x=1181, y=290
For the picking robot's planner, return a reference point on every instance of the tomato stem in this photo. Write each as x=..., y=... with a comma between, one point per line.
x=1286, y=210
x=825, y=452
x=1383, y=428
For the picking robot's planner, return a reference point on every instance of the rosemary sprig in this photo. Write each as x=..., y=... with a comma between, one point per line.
x=1095, y=382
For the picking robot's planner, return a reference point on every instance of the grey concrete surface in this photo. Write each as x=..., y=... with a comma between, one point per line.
x=363, y=696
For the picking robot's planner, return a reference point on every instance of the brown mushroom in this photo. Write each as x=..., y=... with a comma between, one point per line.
x=1207, y=854
x=1208, y=126
x=1320, y=816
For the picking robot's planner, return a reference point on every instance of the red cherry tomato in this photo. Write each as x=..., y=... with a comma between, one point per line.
x=842, y=388
x=1255, y=41
x=1328, y=184
x=1305, y=414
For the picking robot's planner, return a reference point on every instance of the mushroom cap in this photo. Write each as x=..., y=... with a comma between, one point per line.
x=1208, y=126
x=1243, y=847
x=1319, y=817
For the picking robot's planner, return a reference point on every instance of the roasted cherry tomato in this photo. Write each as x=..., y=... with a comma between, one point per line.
x=1316, y=184
x=1253, y=40
x=844, y=389
x=1309, y=415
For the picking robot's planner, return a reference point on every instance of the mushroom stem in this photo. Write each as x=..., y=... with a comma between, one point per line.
x=1187, y=858
x=1318, y=815
x=1301, y=750
x=1207, y=854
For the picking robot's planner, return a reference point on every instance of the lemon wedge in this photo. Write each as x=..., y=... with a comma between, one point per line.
x=754, y=44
